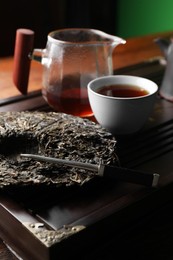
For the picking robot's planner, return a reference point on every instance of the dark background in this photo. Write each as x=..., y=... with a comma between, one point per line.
x=45, y=16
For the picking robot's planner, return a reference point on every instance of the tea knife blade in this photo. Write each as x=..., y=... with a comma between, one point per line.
x=102, y=170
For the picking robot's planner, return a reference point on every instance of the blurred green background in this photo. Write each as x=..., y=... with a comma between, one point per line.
x=125, y=18
x=140, y=17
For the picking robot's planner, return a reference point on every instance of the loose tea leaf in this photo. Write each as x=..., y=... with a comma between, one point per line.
x=50, y=134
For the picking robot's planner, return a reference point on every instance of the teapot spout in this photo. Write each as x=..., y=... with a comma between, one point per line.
x=163, y=45
x=104, y=38
x=114, y=40
x=118, y=40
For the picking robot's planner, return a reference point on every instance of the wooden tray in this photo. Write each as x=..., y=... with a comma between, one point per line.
x=80, y=221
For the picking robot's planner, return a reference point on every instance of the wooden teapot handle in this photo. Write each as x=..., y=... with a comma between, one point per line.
x=23, y=47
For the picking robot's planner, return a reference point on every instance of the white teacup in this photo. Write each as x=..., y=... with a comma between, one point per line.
x=116, y=111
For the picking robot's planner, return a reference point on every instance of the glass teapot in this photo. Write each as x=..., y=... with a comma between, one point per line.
x=71, y=59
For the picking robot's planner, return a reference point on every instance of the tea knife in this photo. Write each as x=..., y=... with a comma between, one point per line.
x=107, y=171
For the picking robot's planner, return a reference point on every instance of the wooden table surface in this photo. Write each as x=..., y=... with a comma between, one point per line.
x=136, y=50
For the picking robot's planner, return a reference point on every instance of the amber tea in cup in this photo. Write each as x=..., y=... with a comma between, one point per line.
x=124, y=91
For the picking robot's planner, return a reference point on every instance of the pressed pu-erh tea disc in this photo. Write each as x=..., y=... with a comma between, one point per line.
x=50, y=134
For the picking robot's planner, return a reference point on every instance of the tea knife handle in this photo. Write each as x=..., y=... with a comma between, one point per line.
x=23, y=47
x=129, y=175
